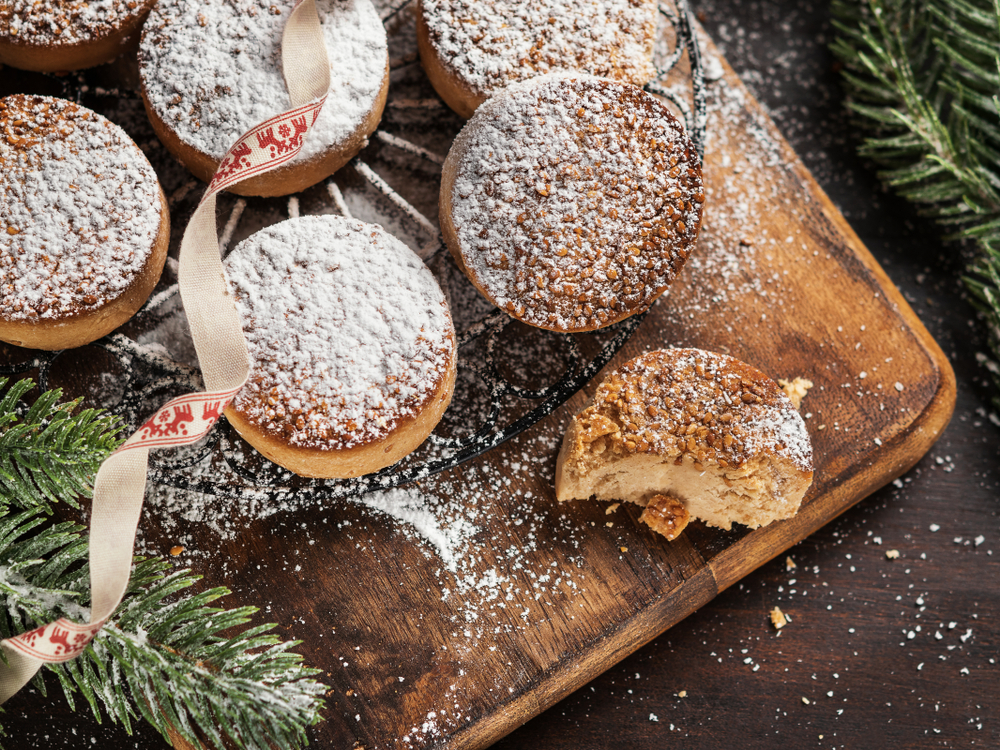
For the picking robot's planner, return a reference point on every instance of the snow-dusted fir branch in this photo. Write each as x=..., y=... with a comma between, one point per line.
x=168, y=656
x=49, y=451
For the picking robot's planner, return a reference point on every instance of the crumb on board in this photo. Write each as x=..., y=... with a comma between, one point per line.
x=778, y=618
x=176, y=550
x=892, y=554
x=682, y=694
x=611, y=509
x=666, y=515
x=790, y=564
x=623, y=549
x=795, y=389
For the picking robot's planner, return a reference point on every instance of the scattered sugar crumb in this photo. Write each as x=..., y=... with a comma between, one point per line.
x=796, y=389
x=778, y=618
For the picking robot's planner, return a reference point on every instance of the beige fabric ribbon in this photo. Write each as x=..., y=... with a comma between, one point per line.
x=222, y=354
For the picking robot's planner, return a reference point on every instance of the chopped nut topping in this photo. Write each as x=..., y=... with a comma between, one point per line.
x=542, y=192
x=666, y=403
x=66, y=21
x=666, y=515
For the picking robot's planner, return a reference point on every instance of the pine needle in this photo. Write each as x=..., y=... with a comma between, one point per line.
x=49, y=451
x=921, y=79
x=168, y=656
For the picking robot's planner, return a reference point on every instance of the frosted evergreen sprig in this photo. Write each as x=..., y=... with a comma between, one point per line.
x=167, y=656
x=921, y=78
x=50, y=451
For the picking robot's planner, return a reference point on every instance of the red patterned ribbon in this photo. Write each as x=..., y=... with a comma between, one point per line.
x=222, y=354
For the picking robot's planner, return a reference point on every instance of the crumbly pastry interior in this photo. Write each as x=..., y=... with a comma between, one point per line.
x=61, y=22
x=703, y=429
x=349, y=335
x=80, y=209
x=492, y=43
x=212, y=70
x=572, y=202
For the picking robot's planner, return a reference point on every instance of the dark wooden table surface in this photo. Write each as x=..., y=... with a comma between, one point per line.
x=879, y=653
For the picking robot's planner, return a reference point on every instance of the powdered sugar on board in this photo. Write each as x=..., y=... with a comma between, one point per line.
x=347, y=331
x=446, y=517
x=490, y=44
x=79, y=209
x=212, y=70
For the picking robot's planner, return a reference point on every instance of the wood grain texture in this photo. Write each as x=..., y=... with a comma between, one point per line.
x=789, y=308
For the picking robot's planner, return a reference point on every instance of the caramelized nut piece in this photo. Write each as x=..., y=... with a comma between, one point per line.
x=778, y=618
x=666, y=515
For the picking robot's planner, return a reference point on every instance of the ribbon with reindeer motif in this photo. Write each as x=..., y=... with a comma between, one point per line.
x=222, y=354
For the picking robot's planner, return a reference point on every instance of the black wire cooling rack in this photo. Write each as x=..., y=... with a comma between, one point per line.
x=497, y=397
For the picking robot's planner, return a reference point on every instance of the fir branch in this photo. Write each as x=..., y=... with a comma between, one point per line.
x=50, y=452
x=921, y=77
x=167, y=655
x=163, y=656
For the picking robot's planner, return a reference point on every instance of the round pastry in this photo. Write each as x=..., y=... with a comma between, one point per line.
x=84, y=225
x=62, y=35
x=211, y=70
x=473, y=50
x=689, y=432
x=571, y=202
x=351, y=345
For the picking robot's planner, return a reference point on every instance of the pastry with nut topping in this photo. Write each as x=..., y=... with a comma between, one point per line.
x=472, y=50
x=53, y=36
x=84, y=225
x=688, y=433
x=571, y=203
x=351, y=346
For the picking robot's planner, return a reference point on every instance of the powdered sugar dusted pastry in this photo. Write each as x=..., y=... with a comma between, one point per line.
x=63, y=35
x=689, y=432
x=212, y=70
x=471, y=50
x=84, y=226
x=351, y=344
x=571, y=202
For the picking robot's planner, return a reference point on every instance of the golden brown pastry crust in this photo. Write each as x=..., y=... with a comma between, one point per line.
x=67, y=278
x=91, y=324
x=357, y=460
x=351, y=346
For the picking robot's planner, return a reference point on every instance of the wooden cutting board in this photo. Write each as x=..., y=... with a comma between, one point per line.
x=541, y=598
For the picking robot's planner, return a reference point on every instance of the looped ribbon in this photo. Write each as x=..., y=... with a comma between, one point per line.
x=222, y=354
